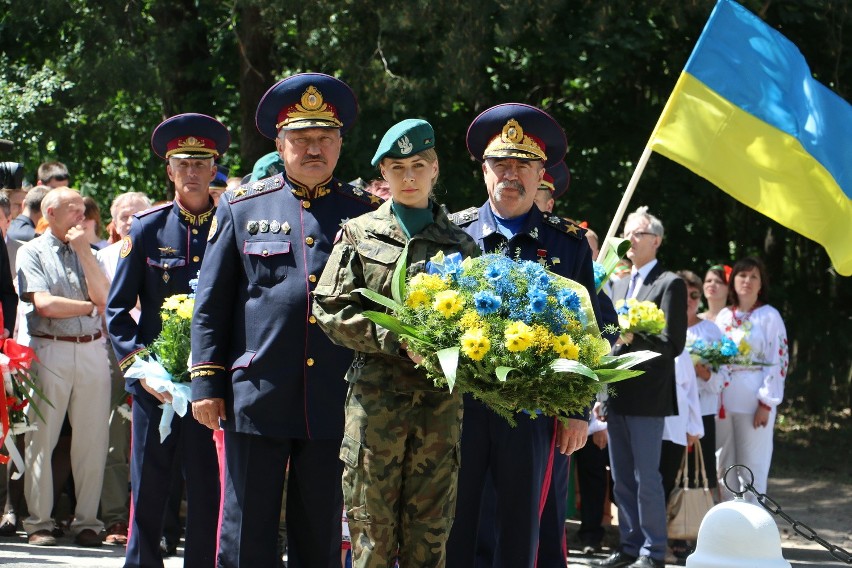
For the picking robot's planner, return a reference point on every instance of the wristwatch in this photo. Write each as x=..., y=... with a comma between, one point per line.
x=94, y=312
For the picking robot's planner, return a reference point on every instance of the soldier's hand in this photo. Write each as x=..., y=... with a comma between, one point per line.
x=209, y=411
x=572, y=436
x=161, y=396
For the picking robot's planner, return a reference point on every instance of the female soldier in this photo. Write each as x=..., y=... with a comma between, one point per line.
x=400, y=445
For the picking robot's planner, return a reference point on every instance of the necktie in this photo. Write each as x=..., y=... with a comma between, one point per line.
x=632, y=287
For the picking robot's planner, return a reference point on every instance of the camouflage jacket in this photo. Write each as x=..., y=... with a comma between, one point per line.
x=365, y=256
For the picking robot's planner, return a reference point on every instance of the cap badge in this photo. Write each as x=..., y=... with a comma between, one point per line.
x=191, y=142
x=405, y=145
x=312, y=100
x=513, y=132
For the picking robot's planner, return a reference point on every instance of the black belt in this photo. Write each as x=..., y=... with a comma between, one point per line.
x=71, y=338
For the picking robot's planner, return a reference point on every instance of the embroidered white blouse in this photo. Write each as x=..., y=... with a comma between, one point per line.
x=688, y=418
x=764, y=333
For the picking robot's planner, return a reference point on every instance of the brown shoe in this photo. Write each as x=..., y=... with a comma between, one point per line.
x=116, y=534
x=43, y=537
x=88, y=538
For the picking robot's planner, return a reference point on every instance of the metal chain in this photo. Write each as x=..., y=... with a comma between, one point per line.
x=773, y=507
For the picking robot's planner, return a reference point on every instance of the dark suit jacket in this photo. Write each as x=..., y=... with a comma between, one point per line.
x=653, y=393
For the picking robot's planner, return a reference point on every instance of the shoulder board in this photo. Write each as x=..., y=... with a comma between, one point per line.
x=254, y=188
x=156, y=208
x=465, y=216
x=356, y=193
x=564, y=225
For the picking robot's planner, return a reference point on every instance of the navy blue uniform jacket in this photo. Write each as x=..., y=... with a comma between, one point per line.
x=255, y=343
x=159, y=257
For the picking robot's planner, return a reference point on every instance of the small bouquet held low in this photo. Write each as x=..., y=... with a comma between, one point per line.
x=714, y=354
x=640, y=317
x=165, y=363
x=20, y=391
x=511, y=333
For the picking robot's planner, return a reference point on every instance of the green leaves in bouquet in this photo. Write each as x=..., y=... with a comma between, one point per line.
x=30, y=382
x=392, y=305
x=398, y=280
x=616, y=250
x=392, y=324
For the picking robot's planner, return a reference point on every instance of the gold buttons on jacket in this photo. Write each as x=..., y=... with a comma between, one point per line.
x=312, y=278
x=196, y=258
x=264, y=252
x=195, y=231
x=312, y=319
x=306, y=204
x=309, y=241
x=309, y=362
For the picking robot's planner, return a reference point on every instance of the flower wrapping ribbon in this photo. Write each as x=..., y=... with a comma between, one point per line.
x=5, y=439
x=161, y=381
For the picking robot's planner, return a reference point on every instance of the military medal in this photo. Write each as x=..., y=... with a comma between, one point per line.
x=264, y=226
x=166, y=277
x=274, y=226
x=542, y=256
x=286, y=228
x=252, y=227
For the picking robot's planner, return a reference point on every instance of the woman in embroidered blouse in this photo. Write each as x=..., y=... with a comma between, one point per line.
x=715, y=290
x=750, y=398
x=709, y=381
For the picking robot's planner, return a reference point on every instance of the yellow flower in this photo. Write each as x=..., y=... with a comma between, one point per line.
x=164, y=316
x=416, y=299
x=744, y=348
x=475, y=344
x=519, y=336
x=430, y=282
x=448, y=303
x=184, y=311
x=565, y=347
x=542, y=338
x=172, y=302
x=470, y=320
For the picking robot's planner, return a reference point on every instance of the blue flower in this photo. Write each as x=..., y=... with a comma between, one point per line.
x=729, y=348
x=486, y=303
x=451, y=266
x=538, y=300
x=698, y=345
x=569, y=299
x=600, y=273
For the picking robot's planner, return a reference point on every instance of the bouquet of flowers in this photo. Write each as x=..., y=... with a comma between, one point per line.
x=165, y=363
x=20, y=390
x=640, y=317
x=616, y=248
x=715, y=354
x=514, y=335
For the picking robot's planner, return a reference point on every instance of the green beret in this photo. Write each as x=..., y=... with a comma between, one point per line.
x=404, y=139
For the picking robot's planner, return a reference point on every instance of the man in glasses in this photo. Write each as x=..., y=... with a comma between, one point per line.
x=53, y=174
x=637, y=408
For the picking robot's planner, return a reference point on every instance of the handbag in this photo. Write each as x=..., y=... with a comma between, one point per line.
x=687, y=506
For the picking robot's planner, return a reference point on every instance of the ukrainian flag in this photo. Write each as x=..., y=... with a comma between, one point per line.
x=747, y=115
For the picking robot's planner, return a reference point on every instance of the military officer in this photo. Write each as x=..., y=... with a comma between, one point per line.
x=262, y=368
x=158, y=259
x=515, y=142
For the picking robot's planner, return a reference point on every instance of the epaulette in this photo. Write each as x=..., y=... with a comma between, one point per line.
x=357, y=193
x=166, y=205
x=464, y=216
x=564, y=225
x=254, y=188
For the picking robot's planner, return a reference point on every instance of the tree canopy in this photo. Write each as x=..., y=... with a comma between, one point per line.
x=86, y=82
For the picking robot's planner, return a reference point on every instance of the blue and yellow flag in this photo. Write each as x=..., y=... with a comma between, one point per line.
x=747, y=115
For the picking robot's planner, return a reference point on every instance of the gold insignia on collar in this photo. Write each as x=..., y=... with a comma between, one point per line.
x=375, y=199
x=239, y=192
x=214, y=226
x=572, y=228
x=167, y=251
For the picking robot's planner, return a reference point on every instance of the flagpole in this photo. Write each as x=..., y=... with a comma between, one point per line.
x=628, y=193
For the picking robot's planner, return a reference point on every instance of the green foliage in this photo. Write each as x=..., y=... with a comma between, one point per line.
x=86, y=82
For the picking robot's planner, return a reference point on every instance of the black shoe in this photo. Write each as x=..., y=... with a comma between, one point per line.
x=9, y=524
x=589, y=549
x=166, y=548
x=647, y=562
x=616, y=560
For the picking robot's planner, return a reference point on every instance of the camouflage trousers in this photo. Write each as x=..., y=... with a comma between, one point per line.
x=401, y=462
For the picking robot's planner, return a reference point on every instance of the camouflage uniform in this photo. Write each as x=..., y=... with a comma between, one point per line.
x=401, y=440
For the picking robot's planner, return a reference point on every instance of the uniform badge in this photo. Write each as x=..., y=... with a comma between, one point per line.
x=264, y=226
x=126, y=247
x=555, y=260
x=405, y=145
x=167, y=251
x=258, y=186
x=166, y=277
x=214, y=225
x=534, y=233
x=542, y=256
x=274, y=226
x=286, y=228
x=252, y=227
